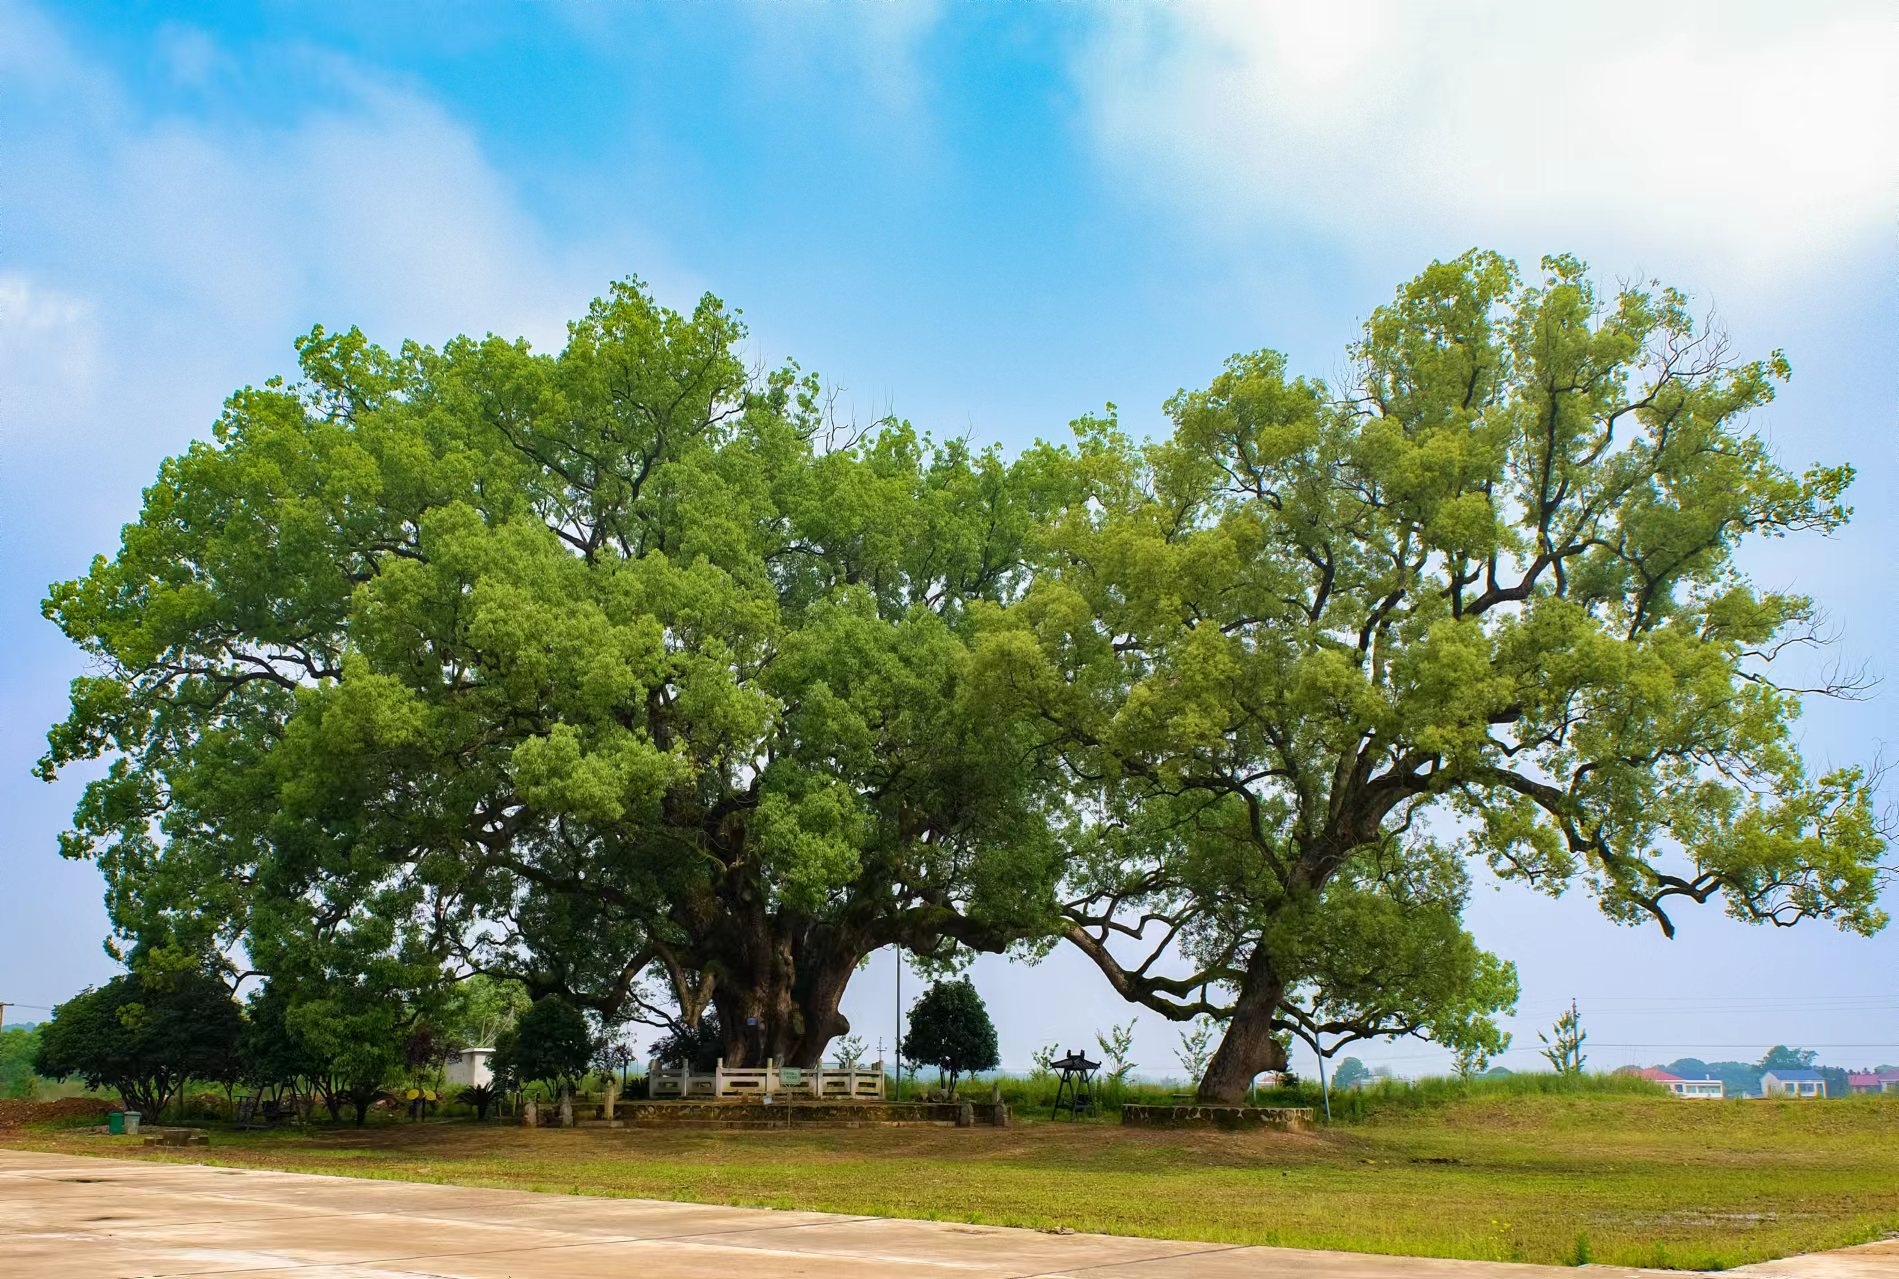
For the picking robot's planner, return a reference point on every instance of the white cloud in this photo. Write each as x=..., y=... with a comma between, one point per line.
x=1751, y=135
x=382, y=211
x=49, y=355
x=174, y=256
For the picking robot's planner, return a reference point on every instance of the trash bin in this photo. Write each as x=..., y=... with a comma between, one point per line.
x=131, y=1122
x=115, y=1123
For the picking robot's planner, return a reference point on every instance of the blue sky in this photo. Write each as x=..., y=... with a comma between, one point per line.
x=988, y=217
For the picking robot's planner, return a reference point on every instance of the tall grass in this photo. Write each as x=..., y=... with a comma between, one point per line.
x=1395, y=1096
x=1033, y=1094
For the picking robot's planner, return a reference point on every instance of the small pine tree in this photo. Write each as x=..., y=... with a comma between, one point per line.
x=1117, y=1042
x=950, y=1029
x=1562, y=1047
x=1196, y=1048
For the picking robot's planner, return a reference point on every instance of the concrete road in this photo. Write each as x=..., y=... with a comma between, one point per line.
x=114, y=1219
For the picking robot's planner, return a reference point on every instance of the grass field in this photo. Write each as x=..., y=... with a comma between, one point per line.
x=1518, y=1175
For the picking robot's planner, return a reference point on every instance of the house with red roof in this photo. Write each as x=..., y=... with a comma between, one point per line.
x=1709, y=1087
x=1873, y=1081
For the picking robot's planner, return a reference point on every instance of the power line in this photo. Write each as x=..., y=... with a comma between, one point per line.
x=1662, y=1047
x=8, y=1003
x=1763, y=1044
x=1713, y=1008
x=1742, y=999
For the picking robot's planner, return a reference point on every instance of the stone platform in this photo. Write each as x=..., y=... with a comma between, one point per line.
x=1233, y=1118
x=156, y=1135
x=790, y=1114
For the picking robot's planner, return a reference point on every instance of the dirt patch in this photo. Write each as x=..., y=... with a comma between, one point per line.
x=16, y=1114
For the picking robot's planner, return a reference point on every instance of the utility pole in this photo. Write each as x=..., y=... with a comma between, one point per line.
x=897, y=1049
x=1325, y=1090
x=3, y=1014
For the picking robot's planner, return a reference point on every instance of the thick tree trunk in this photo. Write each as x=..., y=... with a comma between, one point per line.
x=780, y=982
x=819, y=989
x=1248, y=1046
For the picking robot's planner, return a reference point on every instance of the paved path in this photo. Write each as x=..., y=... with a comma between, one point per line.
x=64, y=1215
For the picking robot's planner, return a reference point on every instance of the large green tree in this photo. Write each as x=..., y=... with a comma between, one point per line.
x=568, y=668
x=1324, y=647
x=354, y=1036
x=144, y=1034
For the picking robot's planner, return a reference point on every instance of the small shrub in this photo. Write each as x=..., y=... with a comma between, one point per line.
x=1116, y=1043
x=849, y=1051
x=481, y=1096
x=697, y=1046
x=1042, y=1062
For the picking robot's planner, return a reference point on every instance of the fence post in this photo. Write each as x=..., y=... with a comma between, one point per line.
x=718, y=1079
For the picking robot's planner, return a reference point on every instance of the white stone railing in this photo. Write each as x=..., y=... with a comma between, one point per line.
x=817, y=1083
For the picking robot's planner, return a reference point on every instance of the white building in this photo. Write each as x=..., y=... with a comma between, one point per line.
x=1793, y=1083
x=469, y=1068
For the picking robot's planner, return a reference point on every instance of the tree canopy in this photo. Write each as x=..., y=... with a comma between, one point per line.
x=1781, y=1057
x=19, y=1045
x=1317, y=651
x=551, y=1044
x=628, y=674
x=568, y=668
x=144, y=1034
x=950, y=1029
x=1350, y=1073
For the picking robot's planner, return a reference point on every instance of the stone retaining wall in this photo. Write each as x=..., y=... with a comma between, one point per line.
x=1192, y=1115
